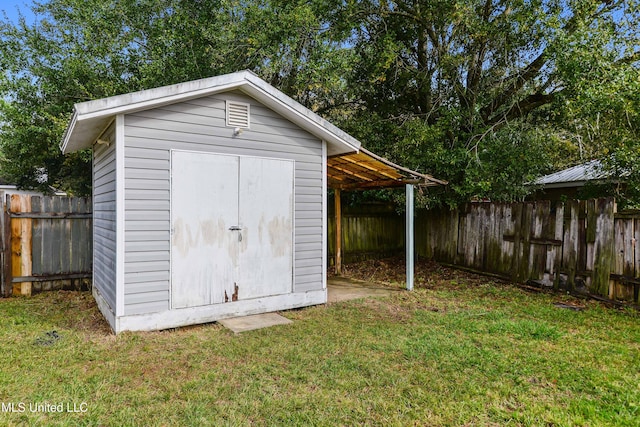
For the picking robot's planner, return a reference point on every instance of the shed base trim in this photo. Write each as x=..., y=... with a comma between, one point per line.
x=205, y=314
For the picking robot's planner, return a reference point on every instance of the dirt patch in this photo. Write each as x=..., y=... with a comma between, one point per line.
x=399, y=309
x=428, y=274
x=79, y=311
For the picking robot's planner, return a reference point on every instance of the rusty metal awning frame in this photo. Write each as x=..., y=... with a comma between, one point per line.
x=365, y=170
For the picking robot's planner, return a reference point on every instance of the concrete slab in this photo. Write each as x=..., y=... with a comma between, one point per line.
x=343, y=289
x=338, y=289
x=256, y=321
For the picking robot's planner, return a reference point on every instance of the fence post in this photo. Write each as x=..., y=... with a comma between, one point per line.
x=8, y=259
x=5, y=231
x=20, y=243
x=518, y=245
x=338, y=245
x=557, y=250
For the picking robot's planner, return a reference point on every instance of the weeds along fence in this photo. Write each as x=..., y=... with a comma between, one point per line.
x=46, y=243
x=581, y=246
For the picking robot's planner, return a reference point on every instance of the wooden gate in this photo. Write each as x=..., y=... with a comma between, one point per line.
x=46, y=243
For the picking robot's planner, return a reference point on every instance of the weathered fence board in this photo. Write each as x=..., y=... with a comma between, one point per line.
x=370, y=231
x=47, y=243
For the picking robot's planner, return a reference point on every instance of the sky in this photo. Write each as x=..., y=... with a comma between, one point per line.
x=11, y=7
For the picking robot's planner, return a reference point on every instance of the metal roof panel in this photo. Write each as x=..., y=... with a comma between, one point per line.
x=575, y=175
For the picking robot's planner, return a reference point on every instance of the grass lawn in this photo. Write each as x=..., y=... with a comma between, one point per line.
x=459, y=350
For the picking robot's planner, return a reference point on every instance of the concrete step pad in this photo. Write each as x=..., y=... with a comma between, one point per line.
x=253, y=322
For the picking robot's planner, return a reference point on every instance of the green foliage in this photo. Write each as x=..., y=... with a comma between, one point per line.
x=80, y=50
x=489, y=95
x=486, y=95
x=511, y=158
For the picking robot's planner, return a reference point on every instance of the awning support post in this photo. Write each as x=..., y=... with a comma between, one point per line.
x=336, y=196
x=409, y=239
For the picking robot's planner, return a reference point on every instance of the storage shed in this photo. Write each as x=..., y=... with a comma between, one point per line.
x=209, y=200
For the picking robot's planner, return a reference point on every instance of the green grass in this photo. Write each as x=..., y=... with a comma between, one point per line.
x=460, y=352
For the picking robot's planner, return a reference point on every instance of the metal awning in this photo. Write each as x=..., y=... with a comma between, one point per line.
x=365, y=170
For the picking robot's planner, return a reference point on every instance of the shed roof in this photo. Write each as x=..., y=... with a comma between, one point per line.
x=349, y=165
x=575, y=176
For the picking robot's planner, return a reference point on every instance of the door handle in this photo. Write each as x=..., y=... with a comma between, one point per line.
x=235, y=228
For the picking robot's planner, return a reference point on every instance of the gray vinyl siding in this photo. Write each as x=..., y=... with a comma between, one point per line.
x=104, y=217
x=199, y=125
x=147, y=224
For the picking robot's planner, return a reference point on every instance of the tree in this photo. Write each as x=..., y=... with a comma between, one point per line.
x=449, y=87
x=487, y=94
x=79, y=50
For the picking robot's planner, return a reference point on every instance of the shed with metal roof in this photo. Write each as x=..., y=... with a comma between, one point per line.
x=567, y=183
x=575, y=176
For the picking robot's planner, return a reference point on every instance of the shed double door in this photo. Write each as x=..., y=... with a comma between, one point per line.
x=232, y=228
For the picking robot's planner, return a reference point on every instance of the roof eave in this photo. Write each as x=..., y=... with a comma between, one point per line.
x=66, y=137
x=421, y=179
x=566, y=184
x=289, y=108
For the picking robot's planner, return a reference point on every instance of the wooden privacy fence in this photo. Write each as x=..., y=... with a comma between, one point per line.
x=369, y=231
x=46, y=243
x=581, y=246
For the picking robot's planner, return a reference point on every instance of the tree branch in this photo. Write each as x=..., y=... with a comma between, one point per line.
x=534, y=67
x=518, y=82
x=326, y=108
x=526, y=105
x=630, y=59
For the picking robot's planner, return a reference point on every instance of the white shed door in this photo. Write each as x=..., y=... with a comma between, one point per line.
x=204, y=205
x=266, y=206
x=232, y=228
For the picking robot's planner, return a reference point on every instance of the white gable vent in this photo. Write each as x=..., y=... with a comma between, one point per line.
x=237, y=114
